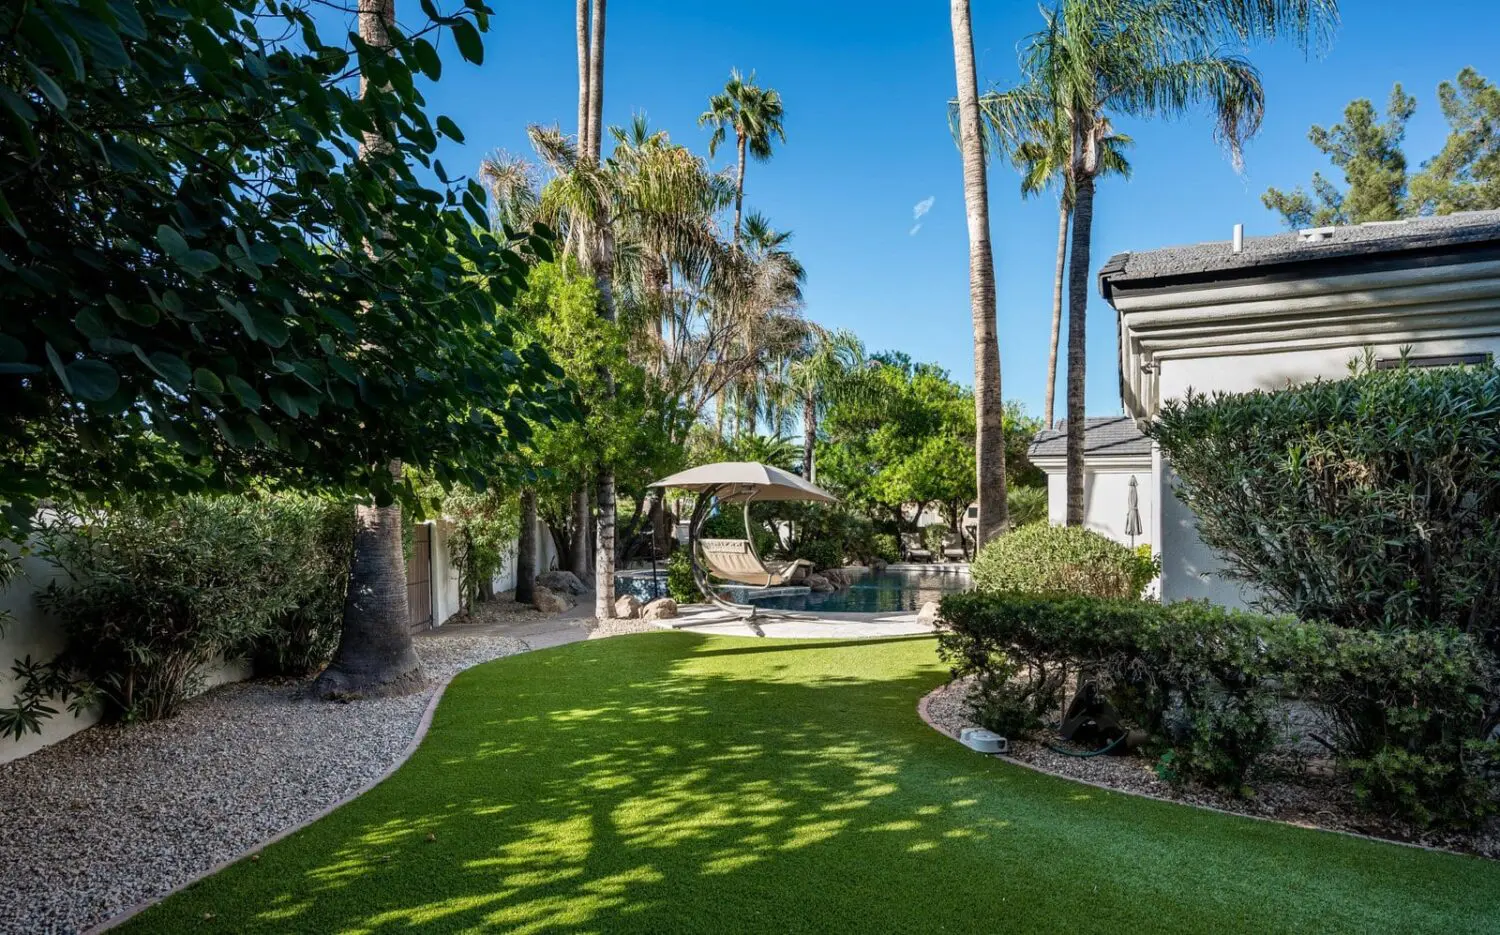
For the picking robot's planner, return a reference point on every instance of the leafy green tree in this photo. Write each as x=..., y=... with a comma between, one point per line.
x=753, y=114
x=1095, y=60
x=1465, y=175
x=1368, y=152
x=200, y=282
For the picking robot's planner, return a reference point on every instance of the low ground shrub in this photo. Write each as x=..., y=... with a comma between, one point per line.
x=935, y=538
x=680, y=585
x=1026, y=505
x=1415, y=710
x=301, y=640
x=1042, y=559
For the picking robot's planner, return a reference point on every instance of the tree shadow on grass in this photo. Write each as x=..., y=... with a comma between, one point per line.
x=677, y=782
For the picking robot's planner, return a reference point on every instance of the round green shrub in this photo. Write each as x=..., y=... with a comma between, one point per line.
x=1042, y=559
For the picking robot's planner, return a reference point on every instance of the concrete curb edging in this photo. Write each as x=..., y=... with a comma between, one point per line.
x=406, y=754
x=922, y=712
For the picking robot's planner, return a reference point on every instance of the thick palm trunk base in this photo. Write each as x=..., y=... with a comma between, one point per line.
x=526, y=549
x=376, y=658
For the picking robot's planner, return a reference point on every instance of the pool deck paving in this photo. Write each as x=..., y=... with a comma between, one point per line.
x=705, y=618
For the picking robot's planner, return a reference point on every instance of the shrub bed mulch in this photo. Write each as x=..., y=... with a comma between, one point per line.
x=1292, y=786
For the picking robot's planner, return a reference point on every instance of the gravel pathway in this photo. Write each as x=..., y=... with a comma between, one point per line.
x=114, y=816
x=1293, y=787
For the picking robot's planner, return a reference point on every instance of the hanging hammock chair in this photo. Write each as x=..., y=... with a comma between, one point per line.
x=735, y=560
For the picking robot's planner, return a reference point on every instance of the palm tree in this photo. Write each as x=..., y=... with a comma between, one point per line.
x=817, y=378
x=1043, y=157
x=768, y=281
x=1140, y=58
x=755, y=115
x=375, y=654
x=989, y=441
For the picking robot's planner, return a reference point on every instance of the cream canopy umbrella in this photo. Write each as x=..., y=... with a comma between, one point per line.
x=736, y=559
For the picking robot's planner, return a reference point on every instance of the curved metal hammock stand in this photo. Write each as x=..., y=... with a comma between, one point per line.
x=745, y=612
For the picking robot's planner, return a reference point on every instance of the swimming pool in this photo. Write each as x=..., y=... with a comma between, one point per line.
x=903, y=588
x=890, y=591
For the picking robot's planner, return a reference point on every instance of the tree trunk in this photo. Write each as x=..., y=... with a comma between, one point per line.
x=809, y=434
x=988, y=402
x=375, y=657
x=1078, y=300
x=1057, y=307
x=604, y=547
x=596, y=82
x=578, y=559
x=583, y=77
x=739, y=186
x=526, y=550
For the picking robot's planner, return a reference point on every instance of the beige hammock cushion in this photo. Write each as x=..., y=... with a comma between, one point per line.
x=734, y=560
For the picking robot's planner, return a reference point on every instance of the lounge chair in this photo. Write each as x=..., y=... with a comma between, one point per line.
x=912, y=549
x=735, y=560
x=953, y=548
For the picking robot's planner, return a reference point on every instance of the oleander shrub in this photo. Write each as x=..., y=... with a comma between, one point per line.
x=152, y=598
x=680, y=585
x=1371, y=502
x=301, y=640
x=1043, y=559
x=934, y=538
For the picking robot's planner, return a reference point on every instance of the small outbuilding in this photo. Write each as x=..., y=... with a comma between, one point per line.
x=1116, y=459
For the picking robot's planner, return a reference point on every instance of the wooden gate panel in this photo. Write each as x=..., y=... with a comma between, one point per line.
x=419, y=579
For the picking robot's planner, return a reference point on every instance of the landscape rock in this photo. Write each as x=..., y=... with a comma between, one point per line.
x=551, y=602
x=663, y=608
x=562, y=582
x=628, y=607
x=838, y=578
x=928, y=615
x=878, y=565
x=819, y=584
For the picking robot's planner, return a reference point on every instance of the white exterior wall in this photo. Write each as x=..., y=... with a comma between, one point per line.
x=1106, y=492
x=1189, y=568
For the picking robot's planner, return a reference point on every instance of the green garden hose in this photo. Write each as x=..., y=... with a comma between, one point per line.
x=1100, y=752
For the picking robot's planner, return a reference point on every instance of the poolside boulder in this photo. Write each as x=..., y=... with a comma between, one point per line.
x=663, y=608
x=928, y=615
x=562, y=582
x=628, y=607
x=551, y=602
x=819, y=584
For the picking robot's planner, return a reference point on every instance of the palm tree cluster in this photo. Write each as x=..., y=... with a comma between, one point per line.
x=712, y=306
x=1095, y=62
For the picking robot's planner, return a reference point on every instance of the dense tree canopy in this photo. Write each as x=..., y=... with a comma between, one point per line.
x=1463, y=176
x=201, y=284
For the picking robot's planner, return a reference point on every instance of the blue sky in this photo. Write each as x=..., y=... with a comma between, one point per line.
x=865, y=86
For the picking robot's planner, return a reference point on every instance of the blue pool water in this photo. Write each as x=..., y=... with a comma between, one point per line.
x=889, y=591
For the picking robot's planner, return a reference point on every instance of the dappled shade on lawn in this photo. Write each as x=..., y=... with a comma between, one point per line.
x=675, y=782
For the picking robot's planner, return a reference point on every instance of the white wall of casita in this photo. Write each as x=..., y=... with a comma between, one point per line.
x=1106, y=495
x=1190, y=569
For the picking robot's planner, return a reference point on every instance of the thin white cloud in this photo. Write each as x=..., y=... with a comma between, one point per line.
x=914, y=229
x=922, y=207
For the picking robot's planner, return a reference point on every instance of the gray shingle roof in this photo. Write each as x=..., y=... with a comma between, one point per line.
x=1464, y=228
x=1102, y=435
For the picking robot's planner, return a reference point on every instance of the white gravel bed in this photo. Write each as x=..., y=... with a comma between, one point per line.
x=1293, y=787
x=114, y=816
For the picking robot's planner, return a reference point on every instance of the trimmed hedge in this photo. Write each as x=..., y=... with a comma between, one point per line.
x=1415, y=708
x=1043, y=559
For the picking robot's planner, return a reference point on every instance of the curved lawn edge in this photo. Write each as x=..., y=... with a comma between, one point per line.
x=922, y=712
x=423, y=725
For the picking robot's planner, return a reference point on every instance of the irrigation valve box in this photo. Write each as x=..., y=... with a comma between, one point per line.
x=985, y=741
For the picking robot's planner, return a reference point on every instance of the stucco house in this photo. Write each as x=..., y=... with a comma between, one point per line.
x=1267, y=312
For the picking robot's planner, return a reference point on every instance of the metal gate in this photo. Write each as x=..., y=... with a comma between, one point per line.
x=419, y=578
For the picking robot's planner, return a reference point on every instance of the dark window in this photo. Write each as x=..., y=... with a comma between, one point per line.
x=1434, y=360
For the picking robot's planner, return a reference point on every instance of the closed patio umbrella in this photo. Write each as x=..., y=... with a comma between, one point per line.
x=1133, y=512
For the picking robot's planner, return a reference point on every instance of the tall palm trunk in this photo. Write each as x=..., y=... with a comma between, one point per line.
x=739, y=185
x=1057, y=307
x=578, y=546
x=526, y=549
x=583, y=76
x=809, y=433
x=604, y=263
x=375, y=656
x=1078, y=300
x=990, y=439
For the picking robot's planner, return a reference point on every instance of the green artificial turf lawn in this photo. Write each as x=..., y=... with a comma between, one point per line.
x=681, y=783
